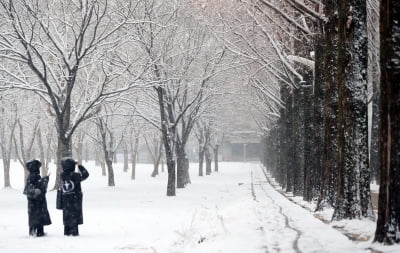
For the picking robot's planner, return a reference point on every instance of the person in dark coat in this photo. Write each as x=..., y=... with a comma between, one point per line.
x=71, y=195
x=35, y=191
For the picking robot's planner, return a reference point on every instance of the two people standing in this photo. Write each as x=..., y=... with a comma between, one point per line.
x=69, y=197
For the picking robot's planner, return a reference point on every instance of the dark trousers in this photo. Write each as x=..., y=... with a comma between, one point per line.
x=71, y=230
x=36, y=230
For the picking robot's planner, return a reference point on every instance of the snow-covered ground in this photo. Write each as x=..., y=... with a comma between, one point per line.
x=234, y=211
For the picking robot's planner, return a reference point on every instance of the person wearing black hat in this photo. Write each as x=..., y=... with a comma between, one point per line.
x=35, y=191
x=69, y=196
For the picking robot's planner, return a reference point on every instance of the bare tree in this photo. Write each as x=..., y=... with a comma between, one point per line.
x=65, y=49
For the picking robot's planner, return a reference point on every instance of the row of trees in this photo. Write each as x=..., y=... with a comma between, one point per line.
x=316, y=68
x=110, y=73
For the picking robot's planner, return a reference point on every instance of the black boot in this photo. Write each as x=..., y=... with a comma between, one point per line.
x=39, y=231
x=74, y=230
x=32, y=231
x=67, y=230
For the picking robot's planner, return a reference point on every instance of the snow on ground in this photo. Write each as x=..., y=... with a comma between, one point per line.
x=234, y=210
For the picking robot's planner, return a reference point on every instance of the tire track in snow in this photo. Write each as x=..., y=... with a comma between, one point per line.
x=295, y=244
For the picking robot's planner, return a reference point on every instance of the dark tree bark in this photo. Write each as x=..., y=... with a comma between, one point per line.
x=167, y=134
x=388, y=224
x=284, y=137
x=297, y=174
x=289, y=145
x=353, y=192
x=180, y=165
x=330, y=149
x=309, y=170
x=318, y=114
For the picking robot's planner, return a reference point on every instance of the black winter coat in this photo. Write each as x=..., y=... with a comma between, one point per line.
x=71, y=196
x=37, y=204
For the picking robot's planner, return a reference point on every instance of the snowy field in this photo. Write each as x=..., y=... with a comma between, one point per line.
x=233, y=211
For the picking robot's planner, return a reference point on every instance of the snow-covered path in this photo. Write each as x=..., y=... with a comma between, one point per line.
x=232, y=211
x=290, y=228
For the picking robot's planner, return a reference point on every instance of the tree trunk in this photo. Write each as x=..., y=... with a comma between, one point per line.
x=168, y=135
x=79, y=150
x=126, y=162
x=283, y=139
x=296, y=182
x=134, y=151
x=309, y=174
x=318, y=115
x=201, y=161
x=157, y=160
x=187, y=175
x=180, y=165
x=155, y=168
x=373, y=80
x=330, y=149
x=64, y=149
x=216, y=158
x=208, y=161
x=103, y=167
x=353, y=192
x=289, y=148
x=387, y=230
x=44, y=168
x=110, y=170
x=6, y=166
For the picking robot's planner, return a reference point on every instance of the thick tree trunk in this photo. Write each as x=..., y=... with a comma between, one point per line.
x=289, y=148
x=388, y=224
x=353, y=193
x=330, y=149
